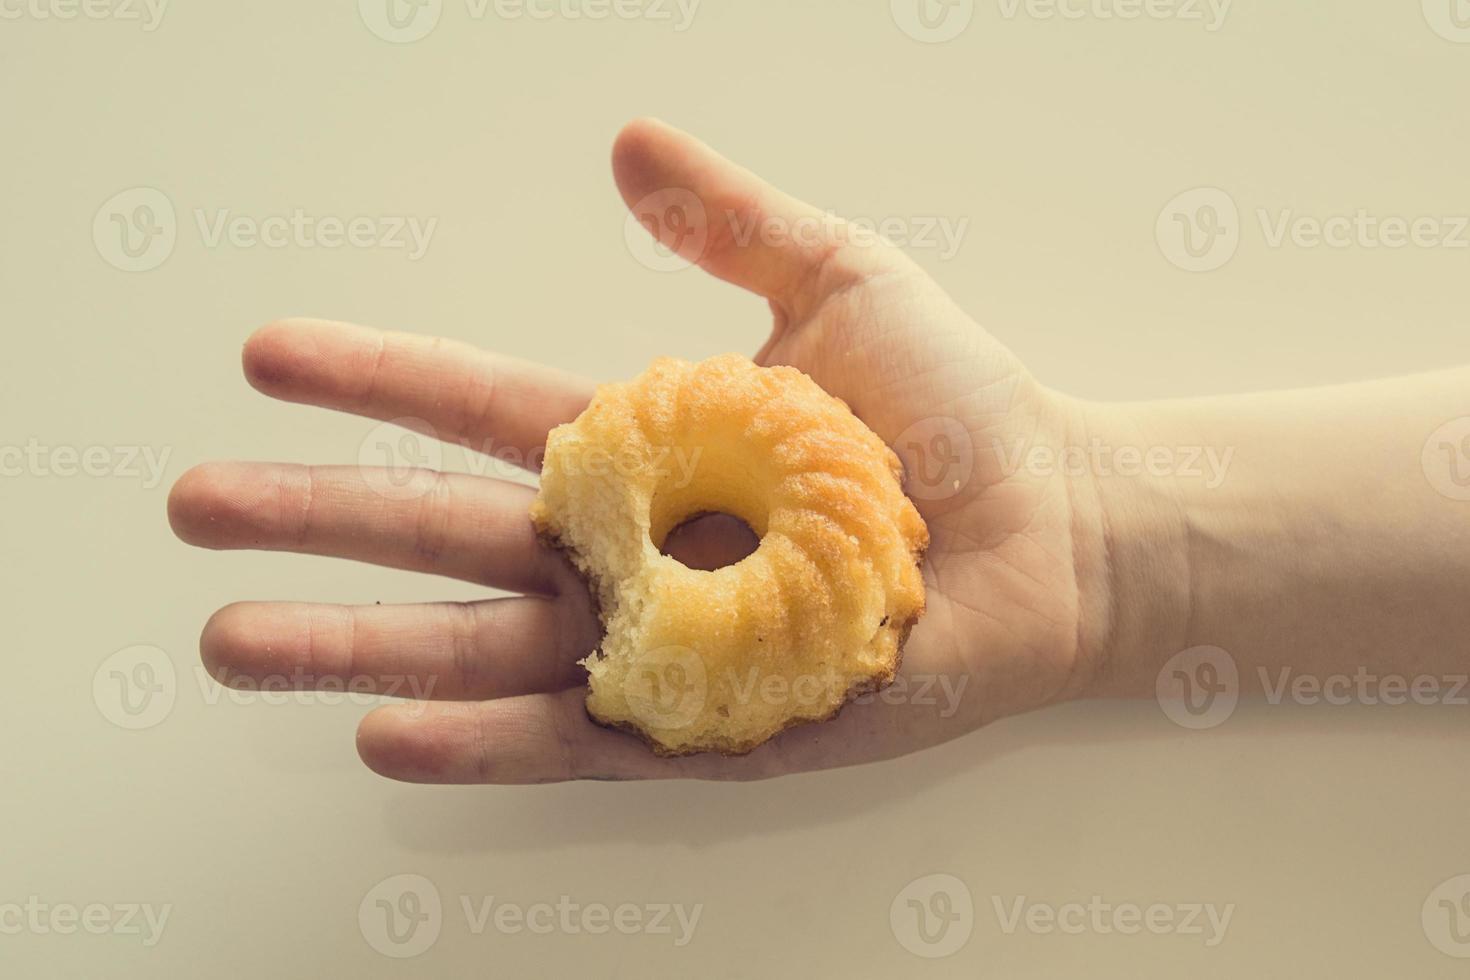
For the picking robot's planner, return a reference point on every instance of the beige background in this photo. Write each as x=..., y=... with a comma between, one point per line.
x=1059, y=141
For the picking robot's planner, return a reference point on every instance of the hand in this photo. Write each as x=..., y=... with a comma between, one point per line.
x=1018, y=605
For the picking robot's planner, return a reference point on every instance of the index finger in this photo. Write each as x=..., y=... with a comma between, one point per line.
x=489, y=402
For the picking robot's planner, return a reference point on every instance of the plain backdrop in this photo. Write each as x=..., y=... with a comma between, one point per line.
x=1057, y=142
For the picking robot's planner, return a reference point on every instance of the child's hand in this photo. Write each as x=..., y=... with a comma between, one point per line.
x=1018, y=608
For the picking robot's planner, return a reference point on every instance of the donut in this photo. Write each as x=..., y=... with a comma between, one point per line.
x=721, y=661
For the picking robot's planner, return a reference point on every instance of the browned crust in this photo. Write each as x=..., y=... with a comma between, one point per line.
x=732, y=749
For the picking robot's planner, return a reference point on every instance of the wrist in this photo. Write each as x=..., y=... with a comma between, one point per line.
x=1131, y=550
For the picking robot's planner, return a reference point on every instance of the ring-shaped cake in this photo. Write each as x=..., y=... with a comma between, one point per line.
x=722, y=660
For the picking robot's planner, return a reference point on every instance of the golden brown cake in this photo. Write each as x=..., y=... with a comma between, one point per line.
x=694, y=661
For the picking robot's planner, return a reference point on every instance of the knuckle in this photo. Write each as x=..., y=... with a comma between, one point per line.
x=432, y=522
x=479, y=401
x=464, y=636
x=296, y=496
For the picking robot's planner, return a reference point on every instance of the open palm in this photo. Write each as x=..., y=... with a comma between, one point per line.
x=1007, y=627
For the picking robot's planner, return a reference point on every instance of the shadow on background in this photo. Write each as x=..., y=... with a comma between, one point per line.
x=694, y=813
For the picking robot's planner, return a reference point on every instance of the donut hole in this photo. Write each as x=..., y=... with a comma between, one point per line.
x=706, y=542
x=711, y=513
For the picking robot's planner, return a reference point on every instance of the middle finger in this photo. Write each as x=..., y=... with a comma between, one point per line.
x=476, y=651
x=465, y=527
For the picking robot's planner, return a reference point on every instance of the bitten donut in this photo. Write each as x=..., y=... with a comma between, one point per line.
x=695, y=661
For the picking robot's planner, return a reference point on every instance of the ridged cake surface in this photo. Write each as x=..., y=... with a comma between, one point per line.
x=723, y=660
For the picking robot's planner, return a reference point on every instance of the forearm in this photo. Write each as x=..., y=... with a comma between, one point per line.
x=1313, y=534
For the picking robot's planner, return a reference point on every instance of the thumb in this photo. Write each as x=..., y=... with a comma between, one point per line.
x=732, y=223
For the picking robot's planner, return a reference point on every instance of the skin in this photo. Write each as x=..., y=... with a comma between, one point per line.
x=1042, y=587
